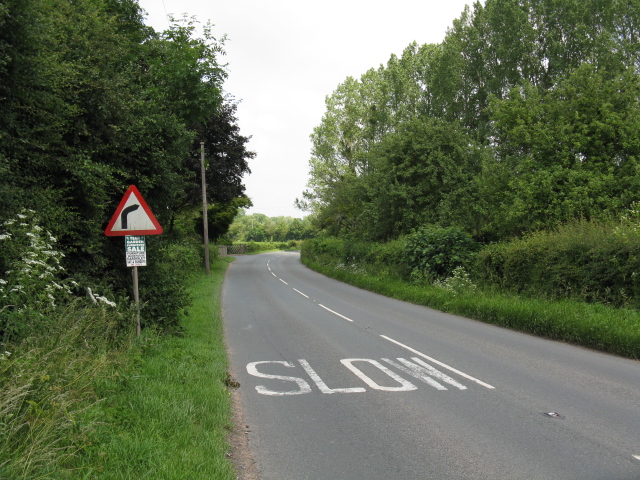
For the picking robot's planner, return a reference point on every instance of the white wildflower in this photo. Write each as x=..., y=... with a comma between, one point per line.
x=106, y=301
x=90, y=294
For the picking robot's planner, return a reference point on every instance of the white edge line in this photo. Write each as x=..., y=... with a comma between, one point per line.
x=295, y=289
x=283, y=281
x=444, y=365
x=335, y=313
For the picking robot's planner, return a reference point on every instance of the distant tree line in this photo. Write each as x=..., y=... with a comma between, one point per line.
x=525, y=117
x=260, y=228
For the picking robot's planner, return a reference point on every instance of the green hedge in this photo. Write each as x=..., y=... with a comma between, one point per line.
x=253, y=247
x=348, y=252
x=584, y=261
x=593, y=262
x=435, y=252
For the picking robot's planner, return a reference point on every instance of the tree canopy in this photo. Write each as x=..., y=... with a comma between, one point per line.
x=93, y=100
x=525, y=116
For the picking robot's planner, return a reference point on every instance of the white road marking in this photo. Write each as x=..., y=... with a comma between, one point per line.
x=424, y=372
x=433, y=372
x=295, y=289
x=637, y=457
x=323, y=386
x=404, y=384
x=444, y=365
x=302, y=385
x=274, y=274
x=416, y=372
x=283, y=281
x=335, y=313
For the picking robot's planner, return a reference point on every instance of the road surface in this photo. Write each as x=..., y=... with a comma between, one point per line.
x=340, y=383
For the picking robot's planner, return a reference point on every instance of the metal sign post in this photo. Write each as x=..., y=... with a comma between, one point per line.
x=136, y=299
x=136, y=253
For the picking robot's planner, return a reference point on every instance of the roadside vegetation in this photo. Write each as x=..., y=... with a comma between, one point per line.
x=494, y=174
x=260, y=228
x=170, y=416
x=83, y=397
x=259, y=247
x=92, y=100
x=548, y=284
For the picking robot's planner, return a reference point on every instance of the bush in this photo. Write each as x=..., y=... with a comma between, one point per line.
x=587, y=261
x=54, y=347
x=254, y=247
x=460, y=282
x=434, y=252
x=163, y=283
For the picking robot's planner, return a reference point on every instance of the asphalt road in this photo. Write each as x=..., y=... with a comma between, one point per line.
x=340, y=383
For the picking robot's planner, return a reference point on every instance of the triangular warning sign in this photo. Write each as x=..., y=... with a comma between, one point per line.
x=133, y=217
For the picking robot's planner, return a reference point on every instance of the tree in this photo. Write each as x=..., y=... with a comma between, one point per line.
x=422, y=175
x=570, y=152
x=226, y=154
x=220, y=216
x=523, y=117
x=91, y=101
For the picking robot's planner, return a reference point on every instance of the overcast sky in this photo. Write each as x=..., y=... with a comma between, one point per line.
x=285, y=56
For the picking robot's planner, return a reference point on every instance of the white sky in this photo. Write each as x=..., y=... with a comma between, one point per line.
x=285, y=56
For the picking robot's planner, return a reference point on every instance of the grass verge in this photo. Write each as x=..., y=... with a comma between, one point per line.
x=173, y=411
x=596, y=326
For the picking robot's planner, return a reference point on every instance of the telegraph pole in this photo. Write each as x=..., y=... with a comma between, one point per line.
x=205, y=222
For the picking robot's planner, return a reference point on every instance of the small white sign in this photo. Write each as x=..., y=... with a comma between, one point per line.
x=136, y=250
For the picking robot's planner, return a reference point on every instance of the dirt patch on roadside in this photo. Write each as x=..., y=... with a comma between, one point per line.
x=238, y=439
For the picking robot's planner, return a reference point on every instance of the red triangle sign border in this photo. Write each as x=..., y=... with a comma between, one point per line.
x=132, y=190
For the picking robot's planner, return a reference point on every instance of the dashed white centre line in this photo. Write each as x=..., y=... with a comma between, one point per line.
x=335, y=313
x=444, y=365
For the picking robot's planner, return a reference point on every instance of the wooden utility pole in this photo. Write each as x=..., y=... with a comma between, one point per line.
x=205, y=221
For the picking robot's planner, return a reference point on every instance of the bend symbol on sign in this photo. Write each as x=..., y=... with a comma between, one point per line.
x=133, y=217
x=125, y=213
x=416, y=368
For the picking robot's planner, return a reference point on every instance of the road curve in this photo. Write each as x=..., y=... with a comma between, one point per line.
x=340, y=383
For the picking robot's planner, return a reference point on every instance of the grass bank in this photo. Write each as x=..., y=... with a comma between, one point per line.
x=596, y=326
x=171, y=416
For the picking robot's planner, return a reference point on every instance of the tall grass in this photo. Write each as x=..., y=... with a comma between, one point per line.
x=81, y=397
x=171, y=419
x=49, y=400
x=597, y=326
